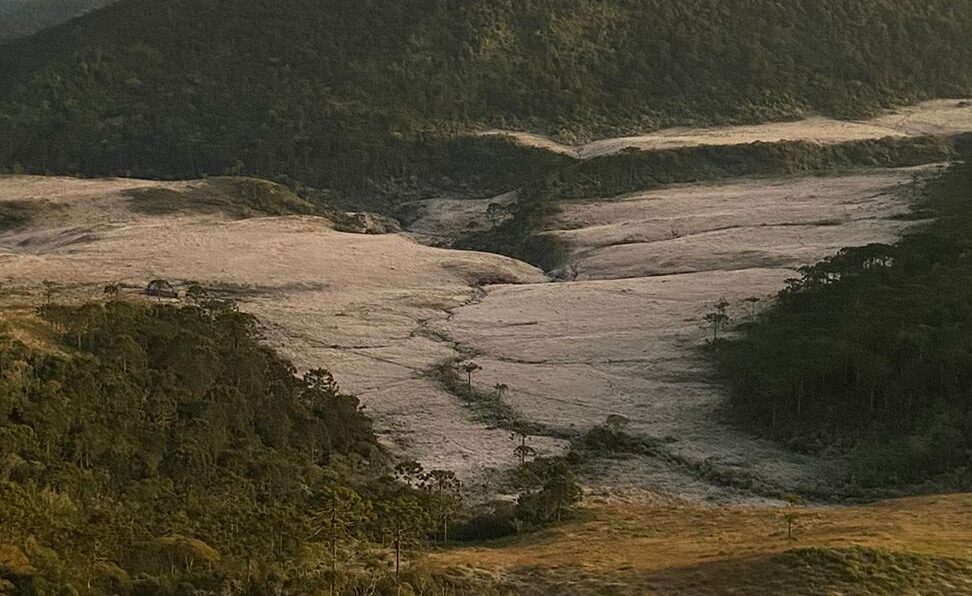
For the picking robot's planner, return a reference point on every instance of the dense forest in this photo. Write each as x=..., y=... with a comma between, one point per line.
x=870, y=353
x=154, y=449
x=332, y=93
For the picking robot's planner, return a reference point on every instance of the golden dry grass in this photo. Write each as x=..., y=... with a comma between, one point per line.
x=20, y=323
x=909, y=546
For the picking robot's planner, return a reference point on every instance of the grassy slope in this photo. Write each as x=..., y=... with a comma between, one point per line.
x=916, y=545
x=331, y=92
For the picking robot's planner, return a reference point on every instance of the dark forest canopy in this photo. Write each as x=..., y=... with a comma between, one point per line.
x=331, y=92
x=870, y=352
x=156, y=450
x=153, y=422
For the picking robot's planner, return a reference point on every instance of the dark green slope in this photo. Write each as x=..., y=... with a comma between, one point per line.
x=334, y=92
x=869, y=353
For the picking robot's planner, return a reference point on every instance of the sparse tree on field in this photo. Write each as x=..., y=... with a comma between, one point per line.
x=196, y=294
x=406, y=522
x=50, y=291
x=501, y=390
x=557, y=492
x=469, y=368
x=718, y=318
x=522, y=451
x=561, y=492
x=495, y=212
x=338, y=522
x=753, y=303
x=111, y=291
x=790, y=514
x=488, y=475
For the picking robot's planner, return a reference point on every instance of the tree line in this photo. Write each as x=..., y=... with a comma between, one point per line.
x=331, y=93
x=870, y=352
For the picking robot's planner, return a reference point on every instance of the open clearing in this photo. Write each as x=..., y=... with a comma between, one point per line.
x=938, y=117
x=625, y=337
x=674, y=548
x=356, y=304
x=381, y=311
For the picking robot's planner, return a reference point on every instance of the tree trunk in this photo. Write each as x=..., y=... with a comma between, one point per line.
x=333, y=551
x=398, y=555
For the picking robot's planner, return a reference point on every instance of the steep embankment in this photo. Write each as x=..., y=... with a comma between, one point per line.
x=332, y=92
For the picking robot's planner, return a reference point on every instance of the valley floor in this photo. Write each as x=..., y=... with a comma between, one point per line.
x=382, y=311
x=624, y=336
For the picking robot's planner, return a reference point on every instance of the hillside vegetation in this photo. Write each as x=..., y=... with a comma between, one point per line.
x=333, y=93
x=869, y=352
x=912, y=546
x=162, y=450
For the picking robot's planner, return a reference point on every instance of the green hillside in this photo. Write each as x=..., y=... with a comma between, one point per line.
x=164, y=450
x=330, y=92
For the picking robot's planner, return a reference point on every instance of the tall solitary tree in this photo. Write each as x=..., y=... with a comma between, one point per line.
x=446, y=492
x=469, y=368
x=790, y=514
x=718, y=318
x=753, y=303
x=522, y=451
x=405, y=521
x=338, y=522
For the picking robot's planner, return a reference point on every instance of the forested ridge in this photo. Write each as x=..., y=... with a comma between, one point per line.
x=155, y=450
x=154, y=443
x=333, y=93
x=870, y=353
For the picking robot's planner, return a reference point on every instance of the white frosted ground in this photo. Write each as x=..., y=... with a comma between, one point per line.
x=379, y=311
x=942, y=116
x=751, y=223
x=355, y=304
x=623, y=339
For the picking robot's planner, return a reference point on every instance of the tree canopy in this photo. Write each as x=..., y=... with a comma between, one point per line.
x=331, y=92
x=870, y=352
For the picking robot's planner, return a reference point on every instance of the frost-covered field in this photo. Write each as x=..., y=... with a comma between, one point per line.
x=381, y=311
